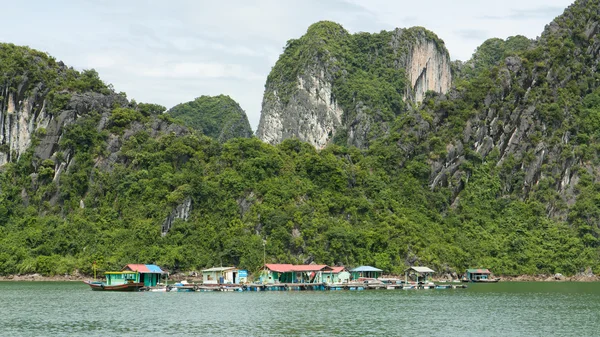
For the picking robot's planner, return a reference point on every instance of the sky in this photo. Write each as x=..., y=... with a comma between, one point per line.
x=169, y=52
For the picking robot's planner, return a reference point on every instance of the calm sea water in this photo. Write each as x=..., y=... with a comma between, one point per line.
x=502, y=309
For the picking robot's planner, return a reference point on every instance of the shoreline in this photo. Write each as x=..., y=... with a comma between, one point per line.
x=180, y=277
x=550, y=278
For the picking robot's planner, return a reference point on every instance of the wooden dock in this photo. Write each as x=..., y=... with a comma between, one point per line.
x=352, y=286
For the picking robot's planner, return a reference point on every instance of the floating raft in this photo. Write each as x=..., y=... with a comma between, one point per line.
x=353, y=286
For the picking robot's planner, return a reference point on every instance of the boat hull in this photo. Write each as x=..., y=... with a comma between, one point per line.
x=494, y=280
x=99, y=286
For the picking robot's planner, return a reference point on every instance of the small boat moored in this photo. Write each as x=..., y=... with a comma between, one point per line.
x=102, y=286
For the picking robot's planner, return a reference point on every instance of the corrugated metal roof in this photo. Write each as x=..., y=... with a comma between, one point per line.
x=365, y=268
x=310, y=267
x=154, y=268
x=479, y=271
x=421, y=269
x=144, y=268
x=285, y=268
x=337, y=270
x=218, y=269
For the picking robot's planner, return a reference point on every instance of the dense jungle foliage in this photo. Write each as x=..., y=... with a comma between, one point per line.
x=335, y=206
x=339, y=205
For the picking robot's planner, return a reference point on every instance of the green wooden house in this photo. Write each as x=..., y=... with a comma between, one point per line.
x=148, y=274
x=290, y=273
x=336, y=275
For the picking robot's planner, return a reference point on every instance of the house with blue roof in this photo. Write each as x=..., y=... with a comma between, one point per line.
x=365, y=272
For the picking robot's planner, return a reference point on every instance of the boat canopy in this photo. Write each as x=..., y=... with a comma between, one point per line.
x=420, y=269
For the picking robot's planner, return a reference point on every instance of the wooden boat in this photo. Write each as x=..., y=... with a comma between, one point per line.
x=101, y=286
x=159, y=288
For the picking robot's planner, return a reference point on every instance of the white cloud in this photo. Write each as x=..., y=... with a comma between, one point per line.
x=100, y=61
x=200, y=71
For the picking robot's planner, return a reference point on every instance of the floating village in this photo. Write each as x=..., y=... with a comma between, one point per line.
x=283, y=277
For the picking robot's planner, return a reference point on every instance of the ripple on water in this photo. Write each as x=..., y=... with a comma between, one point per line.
x=504, y=309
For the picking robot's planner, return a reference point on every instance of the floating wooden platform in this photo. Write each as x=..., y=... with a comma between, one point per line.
x=307, y=286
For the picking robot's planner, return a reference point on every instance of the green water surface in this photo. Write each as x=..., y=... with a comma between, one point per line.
x=502, y=309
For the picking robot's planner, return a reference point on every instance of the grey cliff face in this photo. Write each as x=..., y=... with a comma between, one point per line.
x=20, y=117
x=506, y=136
x=182, y=212
x=427, y=65
x=312, y=115
x=26, y=124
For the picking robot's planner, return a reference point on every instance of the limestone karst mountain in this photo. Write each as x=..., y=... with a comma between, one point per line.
x=330, y=83
x=407, y=159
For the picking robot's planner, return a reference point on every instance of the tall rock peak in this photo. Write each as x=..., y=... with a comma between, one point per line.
x=330, y=84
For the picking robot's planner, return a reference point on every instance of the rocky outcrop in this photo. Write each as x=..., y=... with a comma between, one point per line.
x=427, y=64
x=507, y=131
x=20, y=116
x=312, y=115
x=182, y=212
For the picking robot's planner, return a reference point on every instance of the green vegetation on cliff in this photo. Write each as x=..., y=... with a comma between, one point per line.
x=337, y=205
x=364, y=74
x=493, y=52
x=219, y=117
x=22, y=65
x=501, y=173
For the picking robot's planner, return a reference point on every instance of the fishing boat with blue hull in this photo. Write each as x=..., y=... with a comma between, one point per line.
x=133, y=277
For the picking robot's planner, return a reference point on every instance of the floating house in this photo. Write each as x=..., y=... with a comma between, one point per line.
x=366, y=272
x=224, y=275
x=336, y=275
x=290, y=273
x=479, y=275
x=420, y=274
x=148, y=274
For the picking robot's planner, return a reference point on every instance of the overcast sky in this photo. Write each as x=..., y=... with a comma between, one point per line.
x=168, y=52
